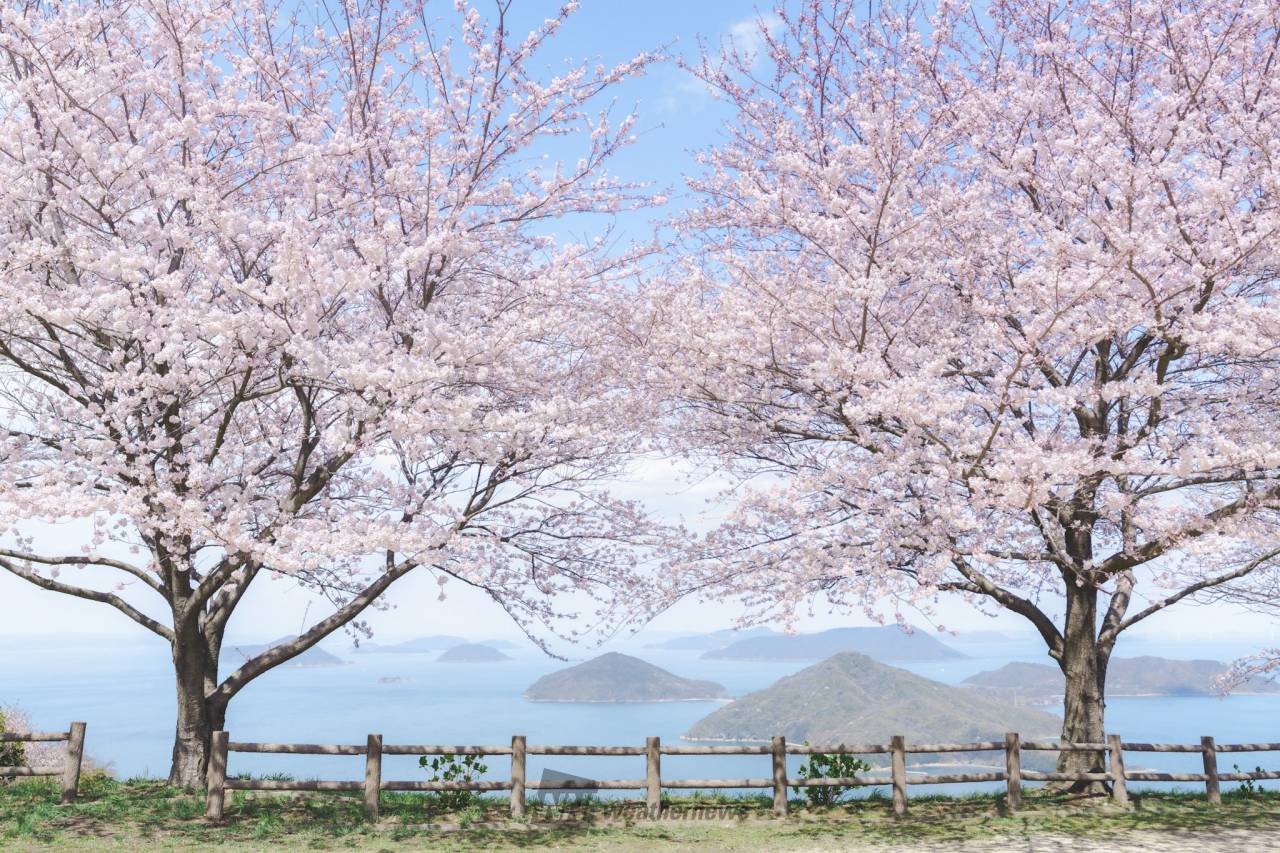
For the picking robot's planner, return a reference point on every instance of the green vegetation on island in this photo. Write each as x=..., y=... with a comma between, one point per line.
x=615, y=677
x=851, y=699
x=1141, y=676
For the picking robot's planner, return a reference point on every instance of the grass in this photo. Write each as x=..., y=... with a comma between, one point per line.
x=147, y=815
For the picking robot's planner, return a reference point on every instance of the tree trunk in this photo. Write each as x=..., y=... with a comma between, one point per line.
x=198, y=718
x=1084, y=665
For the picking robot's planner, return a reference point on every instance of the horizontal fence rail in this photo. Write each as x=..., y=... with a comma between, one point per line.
x=71, y=762
x=778, y=749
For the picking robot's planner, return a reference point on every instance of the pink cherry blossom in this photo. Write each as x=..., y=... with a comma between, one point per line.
x=987, y=304
x=278, y=300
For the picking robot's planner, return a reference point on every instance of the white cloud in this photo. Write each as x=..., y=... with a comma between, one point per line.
x=747, y=34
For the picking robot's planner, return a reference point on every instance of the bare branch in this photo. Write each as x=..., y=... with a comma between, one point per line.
x=91, y=595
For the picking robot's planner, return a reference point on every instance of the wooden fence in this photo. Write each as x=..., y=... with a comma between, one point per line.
x=652, y=784
x=70, y=769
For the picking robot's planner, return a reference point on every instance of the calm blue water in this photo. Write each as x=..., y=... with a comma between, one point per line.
x=124, y=691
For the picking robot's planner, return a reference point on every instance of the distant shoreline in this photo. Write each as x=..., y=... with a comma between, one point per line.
x=1049, y=702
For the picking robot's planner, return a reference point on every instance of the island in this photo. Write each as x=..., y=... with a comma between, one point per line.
x=472, y=653
x=314, y=656
x=887, y=642
x=419, y=645
x=1038, y=683
x=850, y=698
x=713, y=640
x=989, y=637
x=615, y=677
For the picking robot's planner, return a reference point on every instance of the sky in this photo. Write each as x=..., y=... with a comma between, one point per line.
x=677, y=115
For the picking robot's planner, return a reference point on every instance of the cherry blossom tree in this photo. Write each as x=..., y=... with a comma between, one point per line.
x=278, y=300
x=987, y=304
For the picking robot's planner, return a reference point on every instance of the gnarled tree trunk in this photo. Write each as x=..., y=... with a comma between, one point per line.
x=195, y=675
x=1084, y=664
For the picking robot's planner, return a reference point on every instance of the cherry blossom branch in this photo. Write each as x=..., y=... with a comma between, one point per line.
x=286, y=651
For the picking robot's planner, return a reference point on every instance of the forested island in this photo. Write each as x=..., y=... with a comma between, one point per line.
x=615, y=677
x=1038, y=683
x=850, y=698
x=472, y=653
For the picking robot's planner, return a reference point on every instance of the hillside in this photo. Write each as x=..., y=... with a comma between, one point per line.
x=433, y=643
x=713, y=640
x=850, y=698
x=1140, y=676
x=233, y=656
x=472, y=653
x=616, y=677
x=888, y=642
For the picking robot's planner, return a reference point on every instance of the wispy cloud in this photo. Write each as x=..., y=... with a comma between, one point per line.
x=747, y=34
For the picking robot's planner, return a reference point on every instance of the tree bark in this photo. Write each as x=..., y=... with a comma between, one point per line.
x=1084, y=665
x=195, y=669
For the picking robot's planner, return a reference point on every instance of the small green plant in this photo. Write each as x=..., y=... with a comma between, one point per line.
x=12, y=753
x=269, y=777
x=823, y=765
x=268, y=825
x=455, y=768
x=473, y=813
x=1248, y=788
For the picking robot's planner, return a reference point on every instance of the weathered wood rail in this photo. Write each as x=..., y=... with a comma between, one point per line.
x=652, y=784
x=70, y=769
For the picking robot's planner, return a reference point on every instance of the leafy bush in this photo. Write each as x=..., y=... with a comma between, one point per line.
x=1248, y=788
x=12, y=753
x=455, y=768
x=829, y=766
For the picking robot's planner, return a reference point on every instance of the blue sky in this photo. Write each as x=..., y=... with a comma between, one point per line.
x=677, y=116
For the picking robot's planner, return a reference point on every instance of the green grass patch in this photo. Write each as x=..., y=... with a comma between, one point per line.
x=148, y=815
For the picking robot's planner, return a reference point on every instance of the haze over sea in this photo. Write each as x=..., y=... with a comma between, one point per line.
x=123, y=689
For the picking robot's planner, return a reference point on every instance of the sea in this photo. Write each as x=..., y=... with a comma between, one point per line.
x=123, y=690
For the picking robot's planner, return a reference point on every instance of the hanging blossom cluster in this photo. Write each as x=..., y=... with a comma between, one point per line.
x=278, y=300
x=986, y=304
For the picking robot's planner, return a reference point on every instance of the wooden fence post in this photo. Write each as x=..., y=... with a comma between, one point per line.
x=898, y=746
x=1013, y=770
x=517, y=775
x=1119, y=790
x=653, y=777
x=1210, y=750
x=71, y=767
x=780, y=775
x=216, y=778
x=372, y=776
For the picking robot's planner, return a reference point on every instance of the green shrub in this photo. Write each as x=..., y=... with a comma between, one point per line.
x=455, y=768
x=1248, y=788
x=829, y=766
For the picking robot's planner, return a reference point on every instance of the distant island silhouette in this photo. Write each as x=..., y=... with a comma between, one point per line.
x=616, y=677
